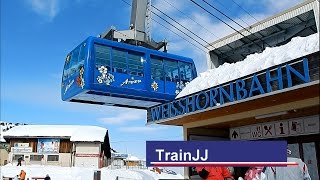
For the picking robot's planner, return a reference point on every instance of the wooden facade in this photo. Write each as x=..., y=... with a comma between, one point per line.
x=65, y=144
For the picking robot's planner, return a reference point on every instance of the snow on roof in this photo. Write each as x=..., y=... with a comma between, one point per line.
x=5, y=126
x=74, y=132
x=1, y=139
x=297, y=47
x=132, y=158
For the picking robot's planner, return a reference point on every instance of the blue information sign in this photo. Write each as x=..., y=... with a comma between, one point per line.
x=219, y=153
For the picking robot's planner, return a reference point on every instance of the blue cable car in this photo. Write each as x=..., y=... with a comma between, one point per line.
x=105, y=72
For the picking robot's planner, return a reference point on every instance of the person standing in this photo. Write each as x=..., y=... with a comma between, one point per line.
x=299, y=172
x=22, y=175
x=19, y=161
x=214, y=173
x=255, y=173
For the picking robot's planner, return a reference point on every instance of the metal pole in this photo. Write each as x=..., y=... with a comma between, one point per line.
x=97, y=175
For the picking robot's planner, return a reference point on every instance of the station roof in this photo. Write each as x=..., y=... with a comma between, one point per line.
x=75, y=133
x=297, y=47
x=273, y=31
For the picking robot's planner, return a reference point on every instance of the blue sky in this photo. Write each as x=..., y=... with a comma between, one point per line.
x=36, y=35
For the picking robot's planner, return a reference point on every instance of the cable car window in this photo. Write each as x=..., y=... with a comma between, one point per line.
x=73, y=62
x=185, y=71
x=135, y=64
x=66, y=67
x=119, y=61
x=102, y=56
x=171, y=70
x=82, y=55
x=74, y=58
x=156, y=69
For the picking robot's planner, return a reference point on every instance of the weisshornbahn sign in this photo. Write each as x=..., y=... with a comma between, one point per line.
x=275, y=78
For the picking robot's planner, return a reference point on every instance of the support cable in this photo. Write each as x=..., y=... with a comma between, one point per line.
x=231, y=12
x=244, y=10
x=180, y=36
x=184, y=28
x=191, y=19
x=233, y=21
x=181, y=31
x=224, y=22
x=175, y=32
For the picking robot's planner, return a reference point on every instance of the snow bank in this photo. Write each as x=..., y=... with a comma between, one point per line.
x=80, y=173
x=297, y=47
x=75, y=132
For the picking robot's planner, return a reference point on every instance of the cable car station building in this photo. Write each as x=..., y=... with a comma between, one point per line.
x=281, y=102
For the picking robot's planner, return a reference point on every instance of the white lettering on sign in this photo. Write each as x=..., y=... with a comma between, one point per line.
x=87, y=155
x=132, y=81
x=21, y=149
x=268, y=130
x=21, y=144
x=182, y=155
x=68, y=86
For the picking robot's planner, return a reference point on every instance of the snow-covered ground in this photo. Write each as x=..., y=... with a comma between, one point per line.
x=80, y=173
x=297, y=47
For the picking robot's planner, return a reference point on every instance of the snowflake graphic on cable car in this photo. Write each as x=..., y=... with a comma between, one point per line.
x=105, y=77
x=154, y=86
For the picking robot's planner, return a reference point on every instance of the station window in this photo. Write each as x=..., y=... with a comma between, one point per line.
x=17, y=156
x=36, y=157
x=171, y=70
x=185, y=71
x=102, y=55
x=53, y=158
x=135, y=64
x=119, y=61
x=156, y=69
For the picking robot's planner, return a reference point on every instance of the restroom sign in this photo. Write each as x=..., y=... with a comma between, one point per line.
x=291, y=127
